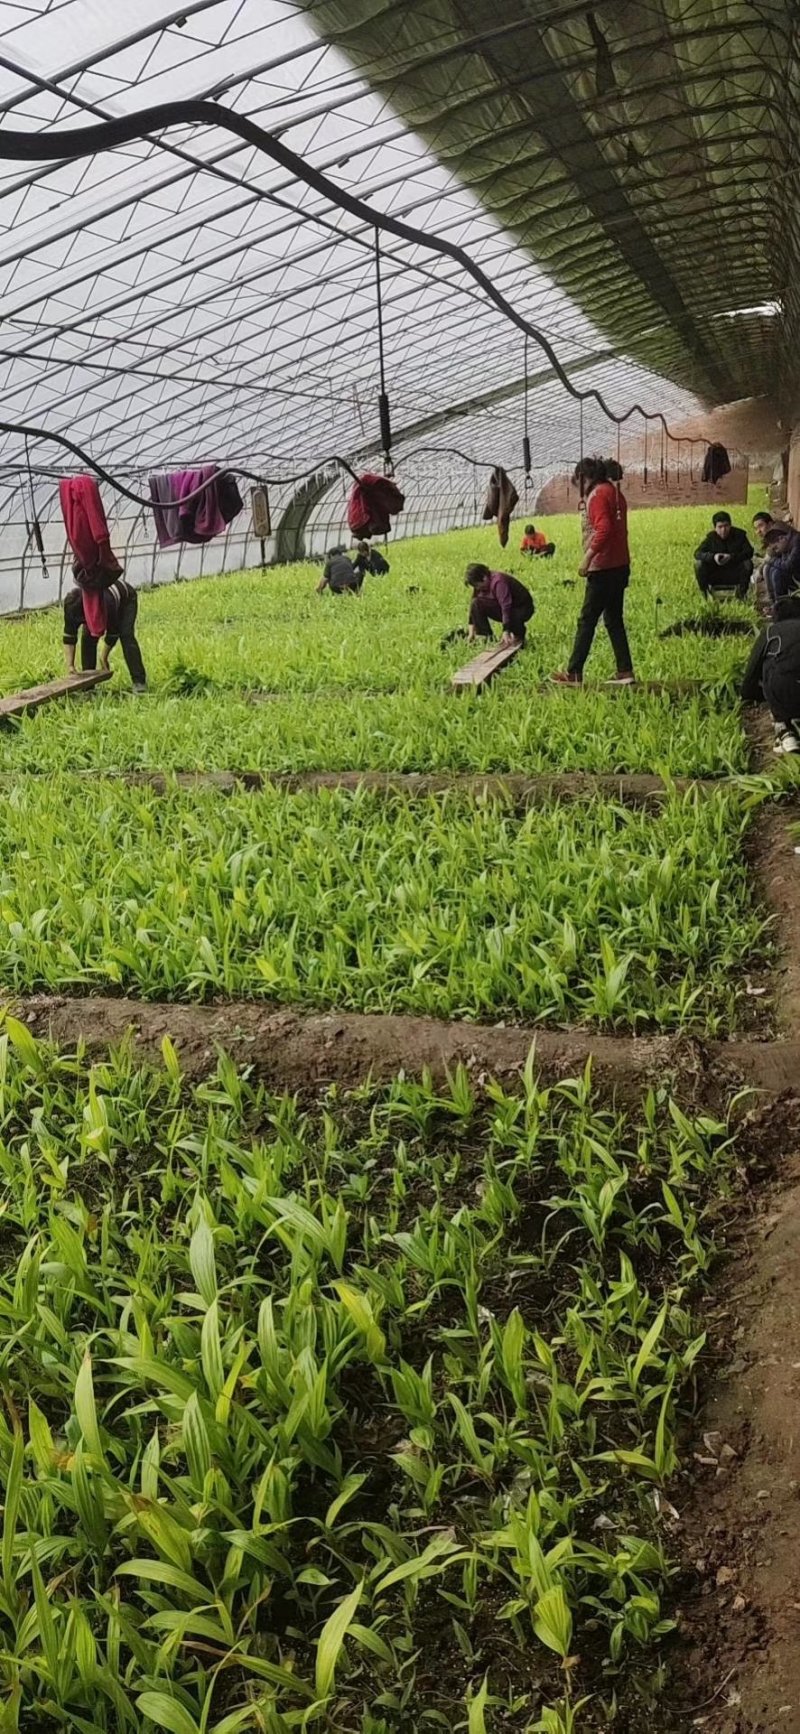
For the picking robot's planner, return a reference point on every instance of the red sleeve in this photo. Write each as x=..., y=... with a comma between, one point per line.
x=602, y=518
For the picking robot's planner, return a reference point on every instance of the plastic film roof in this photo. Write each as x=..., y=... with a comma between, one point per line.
x=641, y=149
x=182, y=298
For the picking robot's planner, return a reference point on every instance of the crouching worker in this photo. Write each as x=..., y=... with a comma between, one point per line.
x=110, y=614
x=339, y=574
x=498, y=596
x=773, y=673
x=535, y=544
x=369, y=560
x=724, y=560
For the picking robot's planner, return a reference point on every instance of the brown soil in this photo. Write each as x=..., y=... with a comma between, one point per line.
x=307, y=1051
x=708, y=626
x=777, y=871
x=740, y=1526
x=631, y=790
x=758, y=729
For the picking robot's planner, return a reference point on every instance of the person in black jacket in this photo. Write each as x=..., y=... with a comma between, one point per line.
x=369, y=559
x=121, y=608
x=724, y=561
x=782, y=559
x=339, y=574
x=773, y=673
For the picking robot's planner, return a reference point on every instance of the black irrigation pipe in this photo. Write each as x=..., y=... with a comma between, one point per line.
x=40, y=433
x=73, y=143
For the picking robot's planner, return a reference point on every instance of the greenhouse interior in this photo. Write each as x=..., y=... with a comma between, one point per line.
x=399, y=867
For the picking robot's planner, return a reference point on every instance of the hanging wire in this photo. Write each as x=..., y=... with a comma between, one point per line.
x=90, y=463
x=72, y=143
x=526, y=443
x=383, y=399
x=580, y=441
x=34, y=528
x=618, y=476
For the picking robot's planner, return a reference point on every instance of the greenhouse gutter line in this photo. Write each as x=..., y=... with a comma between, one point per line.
x=303, y=1051
x=631, y=789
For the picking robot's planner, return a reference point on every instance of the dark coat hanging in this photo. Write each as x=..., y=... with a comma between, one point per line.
x=501, y=499
x=716, y=464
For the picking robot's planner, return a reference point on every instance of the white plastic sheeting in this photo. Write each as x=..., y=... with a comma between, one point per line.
x=183, y=300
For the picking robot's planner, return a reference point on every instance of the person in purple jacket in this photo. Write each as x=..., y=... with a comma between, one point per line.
x=498, y=596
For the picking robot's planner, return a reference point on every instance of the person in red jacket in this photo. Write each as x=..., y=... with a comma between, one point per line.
x=606, y=568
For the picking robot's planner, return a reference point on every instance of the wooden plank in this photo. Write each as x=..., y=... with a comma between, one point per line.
x=19, y=703
x=480, y=670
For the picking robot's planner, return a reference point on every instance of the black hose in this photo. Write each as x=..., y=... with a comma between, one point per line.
x=82, y=141
x=41, y=433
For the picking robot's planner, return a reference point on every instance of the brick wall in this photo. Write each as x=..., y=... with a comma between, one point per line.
x=675, y=488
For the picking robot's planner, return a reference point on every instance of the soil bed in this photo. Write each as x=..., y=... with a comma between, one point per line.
x=708, y=626
x=308, y=1051
x=631, y=789
x=738, y=1650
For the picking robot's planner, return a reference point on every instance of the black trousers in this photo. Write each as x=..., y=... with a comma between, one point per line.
x=126, y=633
x=484, y=609
x=605, y=599
x=782, y=693
x=711, y=577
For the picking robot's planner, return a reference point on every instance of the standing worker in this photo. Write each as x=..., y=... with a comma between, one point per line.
x=606, y=567
x=498, y=596
x=724, y=560
x=111, y=614
x=773, y=673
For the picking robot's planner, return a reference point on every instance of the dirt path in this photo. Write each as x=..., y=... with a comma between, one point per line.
x=631, y=789
x=297, y=1050
x=741, y=1523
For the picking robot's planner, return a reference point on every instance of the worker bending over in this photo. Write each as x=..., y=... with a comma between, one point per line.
x=119, y=606
x=773, y=673
x=369, y=559
x=606, y=567
x=339, y=574
x=724, y=560
x=535, y=543
x=498, y=596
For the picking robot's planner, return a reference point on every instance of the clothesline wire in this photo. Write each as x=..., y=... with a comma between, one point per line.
x=71, y=144
x=320, y=468
x=39, y=433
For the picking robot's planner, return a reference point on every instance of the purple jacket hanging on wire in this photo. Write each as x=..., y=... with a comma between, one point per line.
x=182, y=519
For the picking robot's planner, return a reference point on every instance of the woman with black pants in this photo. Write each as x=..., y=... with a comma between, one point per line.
x=119, y=607
x=606, y=568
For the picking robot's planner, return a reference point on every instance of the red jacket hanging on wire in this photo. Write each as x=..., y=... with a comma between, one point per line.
x=373, y=502
x=96, y=565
